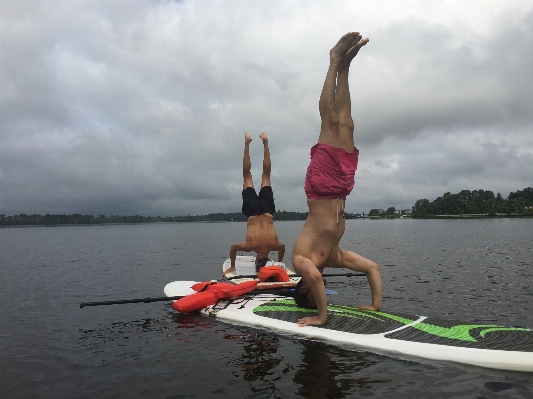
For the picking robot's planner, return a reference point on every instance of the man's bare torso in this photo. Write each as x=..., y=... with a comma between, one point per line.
x=320, y=236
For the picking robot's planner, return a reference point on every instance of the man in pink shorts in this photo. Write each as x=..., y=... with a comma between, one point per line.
x=329, y=179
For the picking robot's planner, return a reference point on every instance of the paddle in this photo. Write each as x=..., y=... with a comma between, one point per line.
x=299, y=275
x=283, y=292
x=140, y=300
x=344, y=275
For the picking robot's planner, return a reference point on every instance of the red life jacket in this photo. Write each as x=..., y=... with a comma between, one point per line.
x=273, y=273
x=208, y=293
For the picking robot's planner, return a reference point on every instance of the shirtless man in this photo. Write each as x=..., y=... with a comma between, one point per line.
x=329, y=179
x=261, y=237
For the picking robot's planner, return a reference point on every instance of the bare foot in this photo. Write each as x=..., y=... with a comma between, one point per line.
x=247, y=138
x=352, y=52
x=263, y=136
x=345, y=43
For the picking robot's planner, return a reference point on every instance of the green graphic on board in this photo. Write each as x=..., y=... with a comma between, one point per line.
x=458, y=332
x=462, y=331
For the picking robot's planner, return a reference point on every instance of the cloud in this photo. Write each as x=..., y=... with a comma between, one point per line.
x=139, y=107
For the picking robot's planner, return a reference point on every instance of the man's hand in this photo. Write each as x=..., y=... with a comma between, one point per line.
x=311, y=321
x=231, y=269
x=368, y=307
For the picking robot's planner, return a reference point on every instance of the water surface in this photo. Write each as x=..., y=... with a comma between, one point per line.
x=473, y=270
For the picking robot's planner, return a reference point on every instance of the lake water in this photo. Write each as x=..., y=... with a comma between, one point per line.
x=474, y=270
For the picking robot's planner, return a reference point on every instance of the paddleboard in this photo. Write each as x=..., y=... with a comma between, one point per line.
x=245, y=266
x=485, y=345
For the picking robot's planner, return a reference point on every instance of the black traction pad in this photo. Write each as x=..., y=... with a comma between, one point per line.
x=429, y=330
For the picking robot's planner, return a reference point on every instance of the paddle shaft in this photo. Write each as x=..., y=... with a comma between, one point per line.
x=283, y=292
x=140, y=300
x=298, y=275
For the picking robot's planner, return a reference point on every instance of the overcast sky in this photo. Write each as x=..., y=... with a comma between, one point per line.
x=139, y=107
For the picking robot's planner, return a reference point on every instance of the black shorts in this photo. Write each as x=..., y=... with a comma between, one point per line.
x=253, y=204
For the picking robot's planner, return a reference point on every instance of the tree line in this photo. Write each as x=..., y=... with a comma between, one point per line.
x=466, y=202
x=75, y=219
x=477, y=202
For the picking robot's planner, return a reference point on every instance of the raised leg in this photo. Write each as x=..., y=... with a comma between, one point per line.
x=265, y=177
x=246, y=163
x=343, y=103
x=329, y=129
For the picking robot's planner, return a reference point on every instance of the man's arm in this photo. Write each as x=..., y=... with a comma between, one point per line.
x=315, y=283
x=374, y=280
x=240, y=246
x=357, y=263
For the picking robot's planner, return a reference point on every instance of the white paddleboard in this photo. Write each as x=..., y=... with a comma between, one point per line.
x=484, y=345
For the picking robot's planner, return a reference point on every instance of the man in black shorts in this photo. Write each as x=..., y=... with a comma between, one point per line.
x=261, y=237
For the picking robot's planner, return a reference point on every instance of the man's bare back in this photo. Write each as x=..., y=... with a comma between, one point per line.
x=261, y=238
x=261, y=235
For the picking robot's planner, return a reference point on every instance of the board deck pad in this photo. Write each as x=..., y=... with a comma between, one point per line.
x=340, y=318
x=428, y=330
x=245, y=266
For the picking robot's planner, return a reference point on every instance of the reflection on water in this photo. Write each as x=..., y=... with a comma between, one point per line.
x=323, y=372
x=321, y=376
x=189, y=324
x=258, y=362
x=119, y=331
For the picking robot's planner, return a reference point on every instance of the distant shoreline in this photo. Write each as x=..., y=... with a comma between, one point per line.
x=463, y=216
x=479, y=204
x=89, y=220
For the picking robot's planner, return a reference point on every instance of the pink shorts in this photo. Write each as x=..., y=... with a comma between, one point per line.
x=330, y=173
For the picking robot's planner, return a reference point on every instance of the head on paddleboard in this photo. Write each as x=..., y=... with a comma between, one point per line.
x=260, y=261
x=303, y=295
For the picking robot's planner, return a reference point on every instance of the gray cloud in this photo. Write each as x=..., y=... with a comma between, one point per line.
x=139, y=107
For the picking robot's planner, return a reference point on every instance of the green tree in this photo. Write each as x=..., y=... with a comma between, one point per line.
x=374, y=212
x=526, y=194
x=421, y=208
